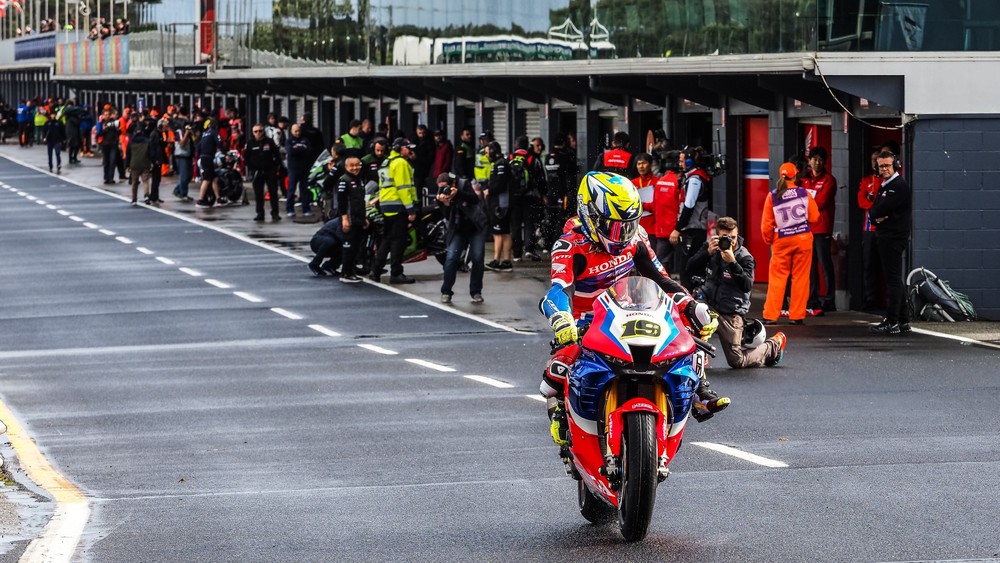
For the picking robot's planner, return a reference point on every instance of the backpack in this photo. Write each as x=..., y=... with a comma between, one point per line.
x=520, y=178
x=933, y=299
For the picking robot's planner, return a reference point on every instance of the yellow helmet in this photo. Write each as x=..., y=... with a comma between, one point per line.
x=609, y=208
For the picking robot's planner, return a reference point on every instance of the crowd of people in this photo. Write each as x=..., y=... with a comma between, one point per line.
x=521, y=200
x=100, y=28
x=648, y=213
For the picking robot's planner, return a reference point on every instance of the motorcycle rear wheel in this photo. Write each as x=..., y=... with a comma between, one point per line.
x=592, y=508
x=638, y=491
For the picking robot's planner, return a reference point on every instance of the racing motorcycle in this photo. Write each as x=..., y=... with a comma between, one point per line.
x=229, y=178
x=628, y=398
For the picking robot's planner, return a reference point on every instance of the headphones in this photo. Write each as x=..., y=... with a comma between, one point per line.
x=691, y=156
x=896, y=165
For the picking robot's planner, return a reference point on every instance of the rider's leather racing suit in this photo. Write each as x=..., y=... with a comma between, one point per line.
x=582, y=270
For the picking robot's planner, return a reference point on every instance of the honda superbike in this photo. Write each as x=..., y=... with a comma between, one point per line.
x=628, y=398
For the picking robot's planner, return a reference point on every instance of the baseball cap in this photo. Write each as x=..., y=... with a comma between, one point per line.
x=445, y=178
x=788, y=170
x=400, y=143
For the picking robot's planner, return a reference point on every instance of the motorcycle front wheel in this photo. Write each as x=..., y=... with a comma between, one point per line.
x=592, y=508
x=638, y=491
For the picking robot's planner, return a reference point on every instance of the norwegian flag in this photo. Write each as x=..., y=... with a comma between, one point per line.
x=811, y=141
x=16, y=4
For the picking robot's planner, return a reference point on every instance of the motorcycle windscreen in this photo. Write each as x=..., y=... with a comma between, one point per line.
x=634, y=311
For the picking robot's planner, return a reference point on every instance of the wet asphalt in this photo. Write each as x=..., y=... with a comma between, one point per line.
x=205, y=426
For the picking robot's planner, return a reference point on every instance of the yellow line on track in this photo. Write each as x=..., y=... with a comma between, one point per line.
x=61, y=535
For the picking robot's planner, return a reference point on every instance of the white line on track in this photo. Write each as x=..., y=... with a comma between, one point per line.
x=123, y=240
x=537, y=398
x=248, y=296
x=77, y=219
x=40, y=201
x=413, y=316
x=217, y=283
x=61, y=536
x=430, y=365
x=166, y=261
x=489, y=381
x=30, y=198
x=323, y=330
x=961, y=339
x=52, y=207
x=144, y=250
x=287, y=314
x=378, y=349
x=22, y=194
x=283, y=252
x=108, y=232
x=766, y=462
x=90, y=225
x=191, y=272
x=63, y=212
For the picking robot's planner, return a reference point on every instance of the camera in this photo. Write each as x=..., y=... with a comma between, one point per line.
x=725, y=242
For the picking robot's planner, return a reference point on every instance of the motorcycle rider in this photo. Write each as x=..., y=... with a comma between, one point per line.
x=599, y=246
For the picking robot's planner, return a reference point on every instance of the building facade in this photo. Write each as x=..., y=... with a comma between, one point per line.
x=755, y=80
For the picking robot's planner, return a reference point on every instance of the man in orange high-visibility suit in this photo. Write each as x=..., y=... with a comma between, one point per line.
x=789, y=213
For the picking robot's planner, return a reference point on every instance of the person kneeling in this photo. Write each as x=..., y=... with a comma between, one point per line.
x=728, y=269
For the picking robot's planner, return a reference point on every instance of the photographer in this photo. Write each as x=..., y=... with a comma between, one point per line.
x=464, y=209
x=728, y=268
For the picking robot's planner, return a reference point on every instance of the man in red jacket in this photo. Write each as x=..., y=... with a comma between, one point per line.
x=666, y=207
x=823, y=188
x=617, y=159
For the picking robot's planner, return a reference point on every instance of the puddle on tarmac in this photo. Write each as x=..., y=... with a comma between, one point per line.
x=23, y=515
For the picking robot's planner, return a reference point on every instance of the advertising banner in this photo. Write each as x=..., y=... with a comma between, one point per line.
x=104, y=56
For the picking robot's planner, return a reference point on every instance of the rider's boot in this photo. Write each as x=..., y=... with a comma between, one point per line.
x=709, y=402
x=558, y=428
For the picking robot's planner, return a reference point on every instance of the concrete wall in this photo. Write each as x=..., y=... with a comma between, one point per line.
x=955, y=174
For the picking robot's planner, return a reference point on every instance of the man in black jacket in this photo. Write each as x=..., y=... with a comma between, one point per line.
x=353, y=217
x=728, y=268
x=892, y=215
x=465, y=212
x=263, y=158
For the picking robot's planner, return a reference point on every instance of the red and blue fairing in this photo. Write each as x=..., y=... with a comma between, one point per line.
x=636, y=340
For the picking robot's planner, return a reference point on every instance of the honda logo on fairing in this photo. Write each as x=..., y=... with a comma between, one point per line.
x=605, y=266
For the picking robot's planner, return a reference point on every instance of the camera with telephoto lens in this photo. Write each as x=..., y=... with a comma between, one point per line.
x=725, y=242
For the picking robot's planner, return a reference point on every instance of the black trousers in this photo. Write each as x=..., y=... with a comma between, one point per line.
x=120, y=162
x=267, y=178
x=872, y=270
x=155, y=177
x=665, y=253
x=891, y=251
x=691, y=241
x=109, y=156
x=326, y=247
x=394, y=240
x=353, y=241
x=524, y=216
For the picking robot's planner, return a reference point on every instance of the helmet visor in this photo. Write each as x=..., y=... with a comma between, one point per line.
x=617, y=232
